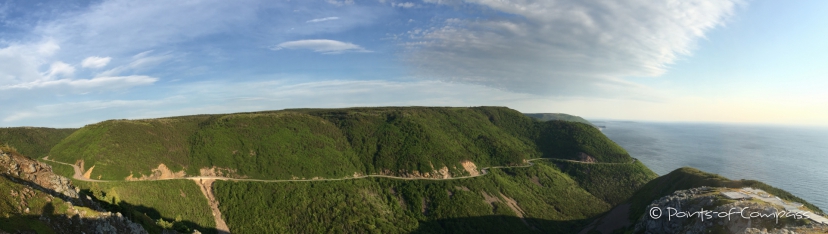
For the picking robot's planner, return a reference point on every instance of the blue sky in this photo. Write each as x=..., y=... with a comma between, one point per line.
x=67, y=64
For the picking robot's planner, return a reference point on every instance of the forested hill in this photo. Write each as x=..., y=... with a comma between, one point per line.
x=32, y=141
x=557, y=116
x=331, y=143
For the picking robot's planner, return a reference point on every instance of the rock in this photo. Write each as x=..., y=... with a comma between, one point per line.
x=29, y=169
x=704, y=198
x=40, y=179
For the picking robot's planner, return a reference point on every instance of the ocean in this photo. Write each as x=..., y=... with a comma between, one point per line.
x=791, y=158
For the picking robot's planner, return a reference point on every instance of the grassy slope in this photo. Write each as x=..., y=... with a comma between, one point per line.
x=330, y=143
x=154, y=200
x=565, y=140
x=613, y=183
x=118, y=147
x=558, y=116
x=273, y=145
x=34, y=142
x=557, y=205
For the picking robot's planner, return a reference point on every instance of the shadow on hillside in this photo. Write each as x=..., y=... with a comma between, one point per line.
x=500, y=224
x=143, y=215
x=48, y=224
x=49, y=221
x=147, y=216
x=74, y=201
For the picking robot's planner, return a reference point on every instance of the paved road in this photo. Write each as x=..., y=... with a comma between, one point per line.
x=78, y=175
x=484, y=171
x=205, y=182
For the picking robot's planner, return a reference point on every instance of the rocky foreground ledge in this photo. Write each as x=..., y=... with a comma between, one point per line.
x=33, y=184
x=706, y=209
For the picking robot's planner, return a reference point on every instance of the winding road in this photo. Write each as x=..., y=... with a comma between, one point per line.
x=205, y=183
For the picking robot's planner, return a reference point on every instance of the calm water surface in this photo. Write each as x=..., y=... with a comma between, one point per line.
x=792, y=158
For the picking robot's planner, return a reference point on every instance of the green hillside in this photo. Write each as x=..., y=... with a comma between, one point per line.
x=559, y=195
x=178, y=202
x=538, y=199
x=609, y=182
x=330, y=143
x=558, y=116
x=34, y=142
x=566, y=140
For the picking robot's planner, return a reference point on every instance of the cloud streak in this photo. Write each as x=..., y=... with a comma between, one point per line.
x=564, y=47
x=86, y=85
x=322, y=19
x=321, y=46
x=95, y=62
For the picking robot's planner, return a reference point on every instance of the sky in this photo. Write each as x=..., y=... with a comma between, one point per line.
x=72, y=63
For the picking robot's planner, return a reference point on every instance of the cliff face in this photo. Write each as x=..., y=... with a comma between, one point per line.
x=37, y=199
x=704, y=209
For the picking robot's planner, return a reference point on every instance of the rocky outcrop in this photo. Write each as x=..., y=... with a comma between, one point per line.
x=38, y=182
x=20, y=167
x=691, y=209
x=81, y=222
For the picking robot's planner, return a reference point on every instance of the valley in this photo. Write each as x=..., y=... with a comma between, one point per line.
x=367, y=170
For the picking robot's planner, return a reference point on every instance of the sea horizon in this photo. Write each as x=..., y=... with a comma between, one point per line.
x=787, y=157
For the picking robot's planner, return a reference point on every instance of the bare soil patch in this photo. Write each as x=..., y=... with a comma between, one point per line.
x=536, y=180
x=160, y=173
x=206, y=186
x=88, y=173
x=470, y=167
x=219, y=172
x=489, y=199
x=583, y=157
x=514, y=206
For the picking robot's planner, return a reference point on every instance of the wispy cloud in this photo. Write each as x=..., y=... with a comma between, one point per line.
x=21, y=62
x=72, y=108
x=95, y=62
x=322, y=19
x=341, y=2
x=86, y=85
x=59, y=69
x=403, y=4
x=139, y=61
x=564, y=47
x=322, y=46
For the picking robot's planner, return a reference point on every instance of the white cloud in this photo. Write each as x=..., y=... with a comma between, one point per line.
x=118, y=26
x=403, y=5
x=48, y=48
x=95, y=62
x=321, y=45
x=20, y=62
x=139, y=61
x=71, y=108
x=564, y=47
x=86, y=85
x=59, y=68
x=341, y=2
x=322, y=19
